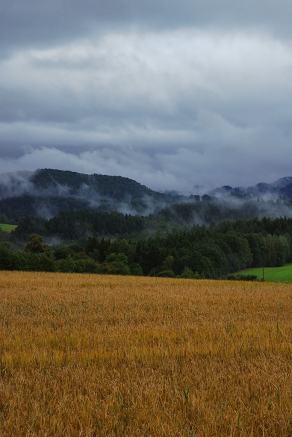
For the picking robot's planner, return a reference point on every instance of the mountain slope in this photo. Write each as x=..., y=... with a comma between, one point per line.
x=47, y=192
x=72, y=183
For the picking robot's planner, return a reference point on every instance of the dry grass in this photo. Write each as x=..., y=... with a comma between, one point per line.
x=119, y=356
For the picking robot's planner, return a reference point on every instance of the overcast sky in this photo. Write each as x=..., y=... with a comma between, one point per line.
x=175, y=94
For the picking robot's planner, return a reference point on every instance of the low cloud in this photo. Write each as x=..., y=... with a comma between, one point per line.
x=181, y=169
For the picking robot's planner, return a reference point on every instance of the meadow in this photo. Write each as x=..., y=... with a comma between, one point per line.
x=272, y=274
x=88, y=355
x=7, y=228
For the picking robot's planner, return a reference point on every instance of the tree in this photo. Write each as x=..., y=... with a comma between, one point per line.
x=39, y=262
x=7, y=258
x=36, y=245
x=87, y=265
x=189, y=274
x=136, y=269
x=66, y=265
x=116, y=264
x=168, y=263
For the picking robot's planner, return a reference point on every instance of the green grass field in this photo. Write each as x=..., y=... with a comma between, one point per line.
x=7, y=228
x=272, y=274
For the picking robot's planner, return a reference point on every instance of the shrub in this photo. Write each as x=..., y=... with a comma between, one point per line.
x=242, y=277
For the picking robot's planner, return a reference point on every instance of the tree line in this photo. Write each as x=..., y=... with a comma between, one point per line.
x=76, y=221
x=196, y=253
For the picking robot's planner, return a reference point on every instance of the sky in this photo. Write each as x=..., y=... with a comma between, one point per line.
x=178, y=95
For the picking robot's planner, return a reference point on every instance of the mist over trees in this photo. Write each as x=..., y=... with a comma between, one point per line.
x=72, y=222
x=46, y=194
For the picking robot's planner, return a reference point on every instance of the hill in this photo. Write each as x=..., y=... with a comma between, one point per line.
x=67, y=183
x=278, y=190
x=48, y=193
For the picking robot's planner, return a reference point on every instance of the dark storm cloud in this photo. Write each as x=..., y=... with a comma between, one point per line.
x=35, y=22
x=170, y=93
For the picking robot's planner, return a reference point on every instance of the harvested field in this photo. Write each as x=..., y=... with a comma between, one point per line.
x=87, y=355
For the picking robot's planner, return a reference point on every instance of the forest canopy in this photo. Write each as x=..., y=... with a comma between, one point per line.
x=199, y=252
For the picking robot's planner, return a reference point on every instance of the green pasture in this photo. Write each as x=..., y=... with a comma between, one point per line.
x=7, y=228
x=271, y=274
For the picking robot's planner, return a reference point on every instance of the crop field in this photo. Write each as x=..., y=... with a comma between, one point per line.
x=7, y=228
x=88, y=355
x=272, y=274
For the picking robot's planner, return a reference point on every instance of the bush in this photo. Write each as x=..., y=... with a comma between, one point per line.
x=87, y=265
x=242, y=277
x=116, y=264
x=8, y=260
x=166, y=274
x=136, y=269
x=38, y=262
x=66, y=265
x=116, y=268
x=189, y=274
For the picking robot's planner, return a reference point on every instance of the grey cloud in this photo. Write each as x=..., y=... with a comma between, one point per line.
x=179, y=168
x=34, y=23
x=173, y=94
x=148, y=78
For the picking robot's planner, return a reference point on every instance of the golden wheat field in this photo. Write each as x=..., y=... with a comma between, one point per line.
x=85, y=355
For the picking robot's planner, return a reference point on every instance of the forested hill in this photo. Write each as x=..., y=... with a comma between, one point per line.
x=72, y=183
x=78, y=198
x=47, y=192
x=280, y=189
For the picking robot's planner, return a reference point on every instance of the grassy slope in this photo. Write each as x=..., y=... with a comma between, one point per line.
x=113, y=356
x=273, y=274
x=7, y=228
